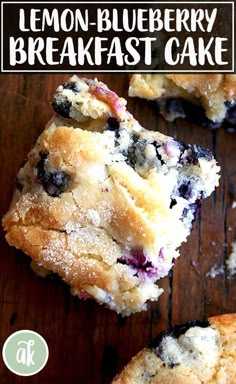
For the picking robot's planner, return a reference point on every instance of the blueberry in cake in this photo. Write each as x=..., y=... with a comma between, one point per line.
x=104, y=202
x=207, y=100
x=194, y=353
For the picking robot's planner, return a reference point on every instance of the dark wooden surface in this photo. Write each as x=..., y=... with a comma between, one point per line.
x=88, y=344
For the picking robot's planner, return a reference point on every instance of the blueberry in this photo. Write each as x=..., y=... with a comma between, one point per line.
x=230, y=118
x=176, y=107
x=195, y=207
x=58, y=178
x=137, y=260
x=54, y=183
x=185, y=190
x=73, y=86
x=178, y=330
x=113, y=125
x=174, y=332
x=62, y=107
x=61, y=104
x=200, y=152
x=191, y=153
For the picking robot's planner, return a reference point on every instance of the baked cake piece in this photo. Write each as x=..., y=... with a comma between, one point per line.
x=194, y=353
x=207, y=100
x=104, y=202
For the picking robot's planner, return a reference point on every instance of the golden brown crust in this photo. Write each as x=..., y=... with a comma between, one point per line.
x=230, y=87
x=147, y=367
x=85, y=275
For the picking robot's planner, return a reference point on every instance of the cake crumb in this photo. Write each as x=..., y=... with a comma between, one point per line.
x=195, y=267
x=231, y=261
x=215, y=270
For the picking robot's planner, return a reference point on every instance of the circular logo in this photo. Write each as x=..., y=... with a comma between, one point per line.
x=25, y=353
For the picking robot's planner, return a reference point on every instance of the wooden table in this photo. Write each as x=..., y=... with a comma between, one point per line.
x=88, y=343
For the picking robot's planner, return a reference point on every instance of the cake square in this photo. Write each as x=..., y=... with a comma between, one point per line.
x=105, y=203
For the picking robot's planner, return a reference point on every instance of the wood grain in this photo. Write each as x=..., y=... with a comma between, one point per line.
x=88, y=344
